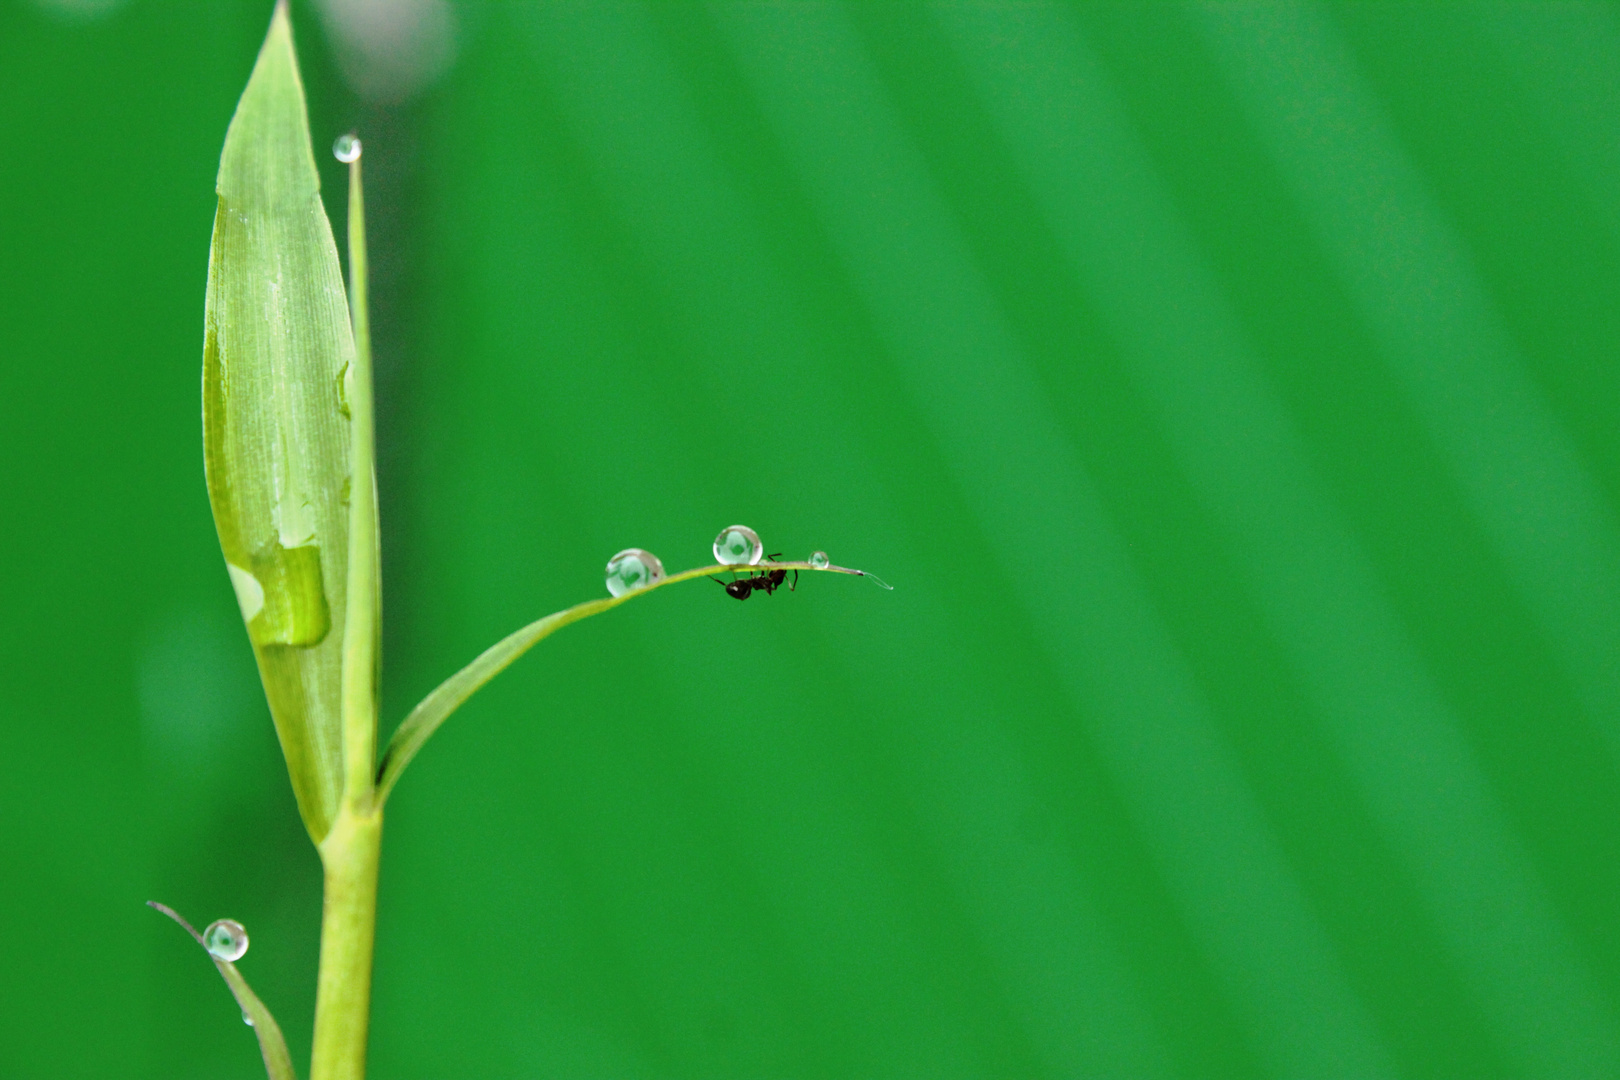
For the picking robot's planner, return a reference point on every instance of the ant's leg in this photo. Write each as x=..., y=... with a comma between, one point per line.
x=795, y=586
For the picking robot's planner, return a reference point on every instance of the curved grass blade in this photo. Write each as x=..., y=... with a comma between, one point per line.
x=277, y=1062
x=435, y=709
x=276, y=442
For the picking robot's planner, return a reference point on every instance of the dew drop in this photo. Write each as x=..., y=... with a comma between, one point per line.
x=819, y=560
x=631, y=569
x=346, y=149
x=246, y=1019
x=226, y=939
x=738, y=545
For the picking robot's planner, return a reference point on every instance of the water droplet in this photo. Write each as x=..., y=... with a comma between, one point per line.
x=246, y=1019
x=819, y=560
x=633, y=568
x=346, y=149
x=226, y=939
x=286, y=595
x=738, y=545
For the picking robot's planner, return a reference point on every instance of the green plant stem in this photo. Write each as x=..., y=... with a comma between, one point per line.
x=351, y=850
x=348, y=931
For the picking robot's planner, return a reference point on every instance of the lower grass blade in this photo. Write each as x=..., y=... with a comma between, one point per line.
x=277, y=1062
x=447, y=697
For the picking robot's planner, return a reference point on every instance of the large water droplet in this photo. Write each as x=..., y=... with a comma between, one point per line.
x=346, y=149
x=738, y=545
x=633, y=568
x=285, y=593
x=226, y=939
x=819, y=560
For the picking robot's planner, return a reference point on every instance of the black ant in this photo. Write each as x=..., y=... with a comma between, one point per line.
x=767, y=582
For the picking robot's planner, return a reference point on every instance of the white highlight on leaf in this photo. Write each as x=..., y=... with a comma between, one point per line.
x=249, y=593
x=295, y=523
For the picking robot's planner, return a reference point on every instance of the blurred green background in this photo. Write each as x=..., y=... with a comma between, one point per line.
x=1229, y=392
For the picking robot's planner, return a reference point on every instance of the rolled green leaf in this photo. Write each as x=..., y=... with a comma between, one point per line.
x=276, y=346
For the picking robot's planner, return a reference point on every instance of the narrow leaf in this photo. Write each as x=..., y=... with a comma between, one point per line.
x=276, y=442
x=272, y=1045
x=433, y=710
x=362, y=634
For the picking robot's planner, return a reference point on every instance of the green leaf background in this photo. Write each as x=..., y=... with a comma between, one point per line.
x=1229, y=392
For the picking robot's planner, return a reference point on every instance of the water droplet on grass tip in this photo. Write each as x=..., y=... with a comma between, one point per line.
x=226, y=939
x=346, y=149
x=819, y=560
x=738, y=545
x=633, y=568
